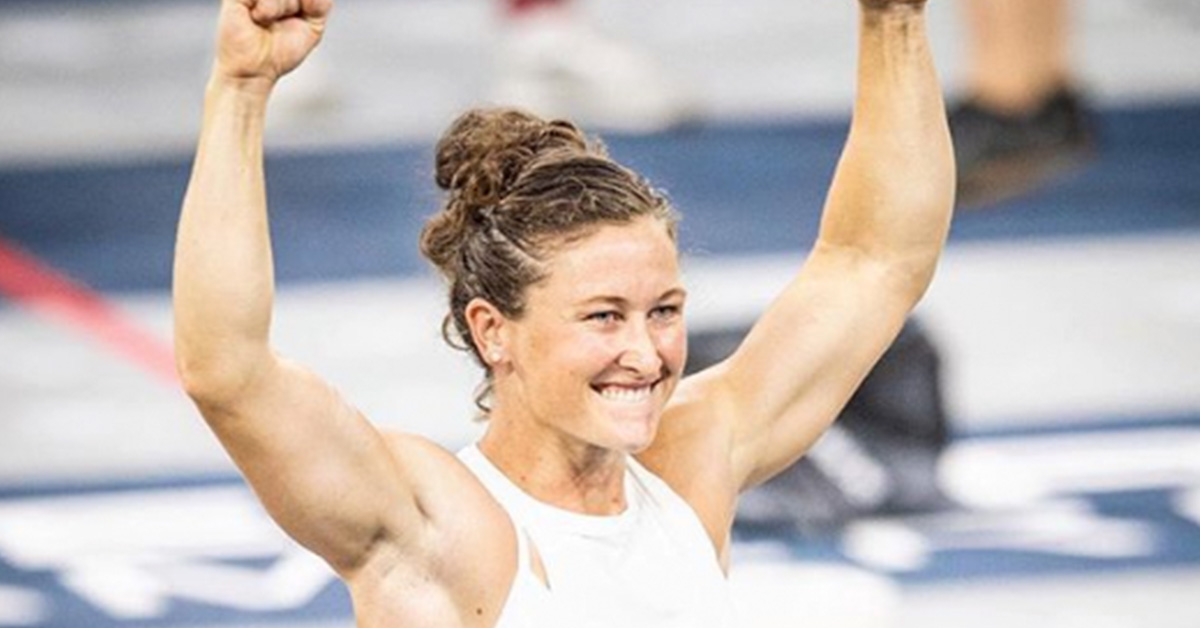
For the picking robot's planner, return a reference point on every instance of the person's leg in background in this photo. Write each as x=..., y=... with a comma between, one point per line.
x=1022, y=121
x=551, y=62
x=1019, y=52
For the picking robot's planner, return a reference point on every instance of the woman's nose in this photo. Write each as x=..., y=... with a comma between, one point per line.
x=641, y=352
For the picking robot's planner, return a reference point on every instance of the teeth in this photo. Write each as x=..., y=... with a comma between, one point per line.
x=628, y=395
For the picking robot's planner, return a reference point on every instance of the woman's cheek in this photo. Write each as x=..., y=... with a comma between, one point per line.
x=674, y=347
x=596, y=350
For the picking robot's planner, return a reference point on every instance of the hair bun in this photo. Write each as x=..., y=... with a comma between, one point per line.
x=479, y=159
x=484, y=151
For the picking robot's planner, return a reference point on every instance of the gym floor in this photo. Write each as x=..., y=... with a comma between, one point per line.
x=1068, y=320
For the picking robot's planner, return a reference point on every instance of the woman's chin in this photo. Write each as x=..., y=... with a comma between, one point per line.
x=631, y=425
x=635, y=433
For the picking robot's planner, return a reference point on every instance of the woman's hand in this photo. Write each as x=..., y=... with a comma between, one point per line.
x=259, y=41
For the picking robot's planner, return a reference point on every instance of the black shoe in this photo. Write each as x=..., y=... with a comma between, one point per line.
x=1002, y=155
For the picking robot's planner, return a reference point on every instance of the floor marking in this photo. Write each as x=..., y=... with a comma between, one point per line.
x=32, y=284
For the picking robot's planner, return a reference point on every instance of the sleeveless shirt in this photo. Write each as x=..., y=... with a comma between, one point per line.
x=652, y=566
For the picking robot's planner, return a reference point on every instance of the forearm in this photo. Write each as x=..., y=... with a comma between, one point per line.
x=893, y=191
x=223, y=278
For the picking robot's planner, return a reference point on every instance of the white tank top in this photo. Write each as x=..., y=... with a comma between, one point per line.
x=652, y=566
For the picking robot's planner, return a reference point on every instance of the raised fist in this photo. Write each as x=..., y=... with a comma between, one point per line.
x=265, y=39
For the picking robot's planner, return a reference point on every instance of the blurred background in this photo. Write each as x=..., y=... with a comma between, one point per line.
x=1055, y=449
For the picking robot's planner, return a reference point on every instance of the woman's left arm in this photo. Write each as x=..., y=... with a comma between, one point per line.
x=882, y=230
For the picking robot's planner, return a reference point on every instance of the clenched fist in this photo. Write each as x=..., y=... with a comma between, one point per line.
x=261, y=40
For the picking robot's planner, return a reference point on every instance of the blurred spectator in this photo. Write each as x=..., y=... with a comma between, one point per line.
x=1023, y=121
x=550, y=61
x=553, y=63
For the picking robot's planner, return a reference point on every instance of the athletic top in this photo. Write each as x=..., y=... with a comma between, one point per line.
x=652, y=566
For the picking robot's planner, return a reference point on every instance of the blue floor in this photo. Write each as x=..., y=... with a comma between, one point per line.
x=957, y=555
x=742, y=189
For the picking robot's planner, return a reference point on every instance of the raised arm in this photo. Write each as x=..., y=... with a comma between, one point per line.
x=321, y=470
x=883, y=228
x=884, y=225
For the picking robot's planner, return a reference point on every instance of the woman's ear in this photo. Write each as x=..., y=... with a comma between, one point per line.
x=487, y=330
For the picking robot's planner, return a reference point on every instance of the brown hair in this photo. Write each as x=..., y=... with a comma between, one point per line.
x=517, y=187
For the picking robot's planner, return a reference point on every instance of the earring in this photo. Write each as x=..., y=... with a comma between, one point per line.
x=494, y=356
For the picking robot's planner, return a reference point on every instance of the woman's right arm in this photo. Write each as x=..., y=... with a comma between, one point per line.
x=324, y=473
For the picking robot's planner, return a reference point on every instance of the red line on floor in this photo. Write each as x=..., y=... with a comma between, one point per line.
x=34, y=285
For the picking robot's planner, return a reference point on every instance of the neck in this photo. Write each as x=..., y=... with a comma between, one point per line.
x=555, y=468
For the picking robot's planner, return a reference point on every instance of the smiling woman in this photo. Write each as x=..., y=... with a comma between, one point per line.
x=599, y=351
x=603, y=491
x=520, y=189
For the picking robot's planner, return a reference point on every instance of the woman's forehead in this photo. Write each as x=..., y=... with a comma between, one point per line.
x=614, y=260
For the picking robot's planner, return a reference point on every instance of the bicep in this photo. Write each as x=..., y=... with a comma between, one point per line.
x=322, y=471
x=806, y=355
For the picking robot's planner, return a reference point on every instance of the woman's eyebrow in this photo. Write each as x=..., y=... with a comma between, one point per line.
x=619, y=301
x=605, y=300
x=678, y=292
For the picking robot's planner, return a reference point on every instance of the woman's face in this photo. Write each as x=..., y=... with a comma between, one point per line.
x=602, y=342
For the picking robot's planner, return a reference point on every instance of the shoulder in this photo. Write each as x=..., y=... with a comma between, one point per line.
x=696, y=428
x=448, y=493
x=692, y=451
x=466, y=545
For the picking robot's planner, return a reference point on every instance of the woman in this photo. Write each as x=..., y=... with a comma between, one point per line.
x=603, y=491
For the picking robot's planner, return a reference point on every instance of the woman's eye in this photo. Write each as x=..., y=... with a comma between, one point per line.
x=603, y=317
x=666, y=312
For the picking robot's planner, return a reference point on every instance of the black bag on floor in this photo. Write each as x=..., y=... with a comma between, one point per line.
x=880, y=456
